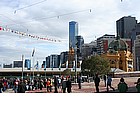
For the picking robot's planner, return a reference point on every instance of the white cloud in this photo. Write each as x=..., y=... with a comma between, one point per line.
x=51, y=19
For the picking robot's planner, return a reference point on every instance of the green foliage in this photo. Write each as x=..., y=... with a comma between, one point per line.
x=95, y=64
x=66, y=72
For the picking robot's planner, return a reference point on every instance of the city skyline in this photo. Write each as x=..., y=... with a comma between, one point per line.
x=52, y=18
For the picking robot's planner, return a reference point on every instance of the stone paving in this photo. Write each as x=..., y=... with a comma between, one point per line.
x=90, y=87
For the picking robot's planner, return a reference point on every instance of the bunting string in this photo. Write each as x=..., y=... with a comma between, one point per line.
x=28, y=35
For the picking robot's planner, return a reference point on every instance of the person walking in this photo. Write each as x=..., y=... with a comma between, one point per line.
x=48, y=84
x=104, y=79
x=97, y=81
x=138, y=85
x=109, y=82
x=64, y=85
x=122, y=86
x=68, y=84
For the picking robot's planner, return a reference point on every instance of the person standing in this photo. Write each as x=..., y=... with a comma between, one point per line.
x=55, y=84
x=48, y=84
x=1, y=86
x=97, y=81
x=79, y=80
x=104, y=79
x=64, y=85
x=68, y=84
x=138, y=85
x=109, y=83
x=122, y=86
x=21, y=86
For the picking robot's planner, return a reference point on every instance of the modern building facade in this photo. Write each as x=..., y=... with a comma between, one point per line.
x=17, y=64
x=54, y=61
x=73, y=32
x=80, y=42
x=135, y=32
x=125, y=25
x=103, y=43
x=89, y=49
x=47, y=62
x=7, y=66
x=27, y=63
x=63, y=59
x=136, y=53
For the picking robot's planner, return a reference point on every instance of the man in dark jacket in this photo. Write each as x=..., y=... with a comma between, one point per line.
x=21, y=87
x=97, y=81
x=55, y=84
x=68, y=84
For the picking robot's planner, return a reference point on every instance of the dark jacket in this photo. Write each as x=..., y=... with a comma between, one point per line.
x=21, y=87
x=97, y=81
x=122, y=87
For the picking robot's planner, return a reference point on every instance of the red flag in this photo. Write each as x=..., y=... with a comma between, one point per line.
x=0, y=28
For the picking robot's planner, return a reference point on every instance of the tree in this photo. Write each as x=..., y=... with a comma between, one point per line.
x=95, y=64
x=67, y=72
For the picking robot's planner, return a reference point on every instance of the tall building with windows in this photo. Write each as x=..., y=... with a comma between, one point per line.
x=135, y=32
x=136, y=53
x=27, y=63
x=103, y=43
x=125, y=25
x=54, y=61
x=63, y=59
x=73, y=32
x=17, y=64
x=80, y=43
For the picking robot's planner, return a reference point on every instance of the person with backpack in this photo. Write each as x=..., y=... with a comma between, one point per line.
x=122, y=86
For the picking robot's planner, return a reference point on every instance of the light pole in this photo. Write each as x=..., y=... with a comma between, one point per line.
x=22, y=65
x=75, y=52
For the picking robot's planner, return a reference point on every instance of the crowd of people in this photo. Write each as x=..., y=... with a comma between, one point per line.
x=23, y=85
x=63, y=84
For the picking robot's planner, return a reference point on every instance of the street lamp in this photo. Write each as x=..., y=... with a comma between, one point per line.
x=75, y=52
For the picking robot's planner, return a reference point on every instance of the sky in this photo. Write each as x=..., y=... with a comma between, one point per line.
x=50, y=19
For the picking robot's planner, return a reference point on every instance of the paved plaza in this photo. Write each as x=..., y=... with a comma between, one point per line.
x=90, y=87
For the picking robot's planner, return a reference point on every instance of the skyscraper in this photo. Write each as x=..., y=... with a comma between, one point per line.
x=103, y=43
x=136, y=53
x=73, y=32
x=80, y=42
x=125, y=25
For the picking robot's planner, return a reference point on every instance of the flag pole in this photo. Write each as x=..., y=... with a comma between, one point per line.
x=33, y=62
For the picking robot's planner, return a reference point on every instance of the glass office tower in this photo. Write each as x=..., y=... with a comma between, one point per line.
x=73, y=32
